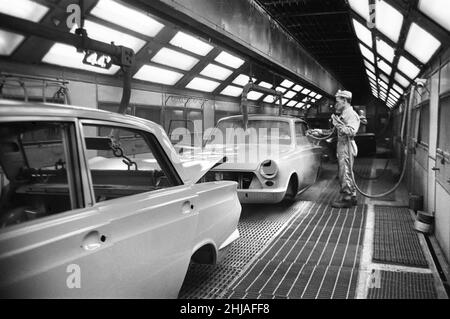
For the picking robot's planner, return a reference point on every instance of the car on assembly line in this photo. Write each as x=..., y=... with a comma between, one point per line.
x=98, y=204
x=271, y=159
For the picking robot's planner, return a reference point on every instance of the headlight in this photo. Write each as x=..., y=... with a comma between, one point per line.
x=268, y=169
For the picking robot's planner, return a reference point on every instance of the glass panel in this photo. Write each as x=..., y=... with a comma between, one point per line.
x=253, y=95
x=437, y=10
x=290, y=94
x=385, y=50
x=191, y=43
x=369, y=66
x=9, y=42
x=229, y=60
x=242, y=80
x=367, y=53
x=292, y=103
x=126, y=17
x=202, y=85
x=361, y=7
x=269, y=99
x=287, y=83
x=400, y=79
x=408, y=68
x=24, y=9
x=216, y=72
x=175, y=59
x=363, y=33
x=398, y=88
x=421, y=44
x=389, y=20
x=265, y=84
x=297, y=88
x=158, y=75
x=280, y=89
x=384, y=67
x=231, y=90
x=306, y=91
x=318, y=96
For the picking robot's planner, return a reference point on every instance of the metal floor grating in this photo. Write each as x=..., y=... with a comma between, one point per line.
x=395, y=239
x=258, y=224
x=404, y=285
x=316, y=256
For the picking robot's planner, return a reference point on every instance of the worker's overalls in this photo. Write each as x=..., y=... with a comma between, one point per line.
x=350, y=127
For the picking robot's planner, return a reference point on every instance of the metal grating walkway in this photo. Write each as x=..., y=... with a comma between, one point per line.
x=404, y=285
x=316, y=256
x=395, y=239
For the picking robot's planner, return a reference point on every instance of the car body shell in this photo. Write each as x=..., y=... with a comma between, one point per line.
x=148, y=239
x=298, y=163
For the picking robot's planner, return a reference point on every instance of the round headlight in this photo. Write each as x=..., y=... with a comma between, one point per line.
x=268, y=169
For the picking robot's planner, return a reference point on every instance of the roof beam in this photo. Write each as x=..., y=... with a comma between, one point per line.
x=310, y=14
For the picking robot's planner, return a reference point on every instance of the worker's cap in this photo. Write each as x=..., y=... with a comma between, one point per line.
x=344, y=94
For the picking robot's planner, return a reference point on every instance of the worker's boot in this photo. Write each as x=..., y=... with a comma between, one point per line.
x=343, y=203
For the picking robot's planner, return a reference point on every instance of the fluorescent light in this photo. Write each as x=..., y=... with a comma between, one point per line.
x=127, y=17
x=421, y=44
x=175, y=59
x=385, y=50
x=400, y=79
x=389, y=20
x=292, y=103
x=281, y=89
x=363, y=33
x=297, y=88
x=232, y=90
x=384, y=67
x=306, y=91
x=287, y=83
x=243, y=79
x=155, y=74
x=408, y=68
x=101, y=33
x=269, y=99
x=361, y=7
x=253, y=95
x=229, y=60
x=367, y=53
x=437, y=10
x=369, y=66
x=216, y=72
x=204, y=85
x=265, y=85
x=24, y=9
x=290, y=94
x=9, y=42
x=67, y=55
x=190, y=43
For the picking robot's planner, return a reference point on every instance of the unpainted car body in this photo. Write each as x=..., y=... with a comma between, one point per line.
x=103, y=232
x=294, y=160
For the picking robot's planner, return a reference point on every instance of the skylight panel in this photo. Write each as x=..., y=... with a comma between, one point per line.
x=216, y=72
x=367, y=53
x=67, y=55
x=385, y=50
x=363, y=33
x=253, y=95
x=401, y=80
x=201, y=84
x=104, y=34
x=398, y=88
x=127, y=17
x=361, y=7
x=312, y=94
x=287, y=83
x=190, y=43
x=297, y=88
x=318, y=96
x=229, y=60
x=308, y=106
x=395, y=94
x=232, y=90
x=24, y=9
x=369, y=66
x=408, y=68
x=292, y=103
x=371, y=75
x=281, y=89
x=389, y=20
x=300, y=105
x=290, y=94
x=384, y=67
x=175, y=59
x=269, y=99
x=313, y=100
x=242, y=80
x=9, y=42
x=305, y=99
x=306, y=91
x=421, y=44
x=159, y=75
x=284, y=101
x=383, y=84
x=437, y=10
x=384, y=78
x=265, y=85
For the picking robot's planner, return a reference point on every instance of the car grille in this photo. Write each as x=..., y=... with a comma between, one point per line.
x=243, y=179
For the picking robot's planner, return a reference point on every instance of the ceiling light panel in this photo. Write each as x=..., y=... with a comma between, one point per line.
x=367, y=53
x=401, y=80
x=421, y=44
x=287, y=83
x=175, y=59
x=408, y=68
x=127, y=17
x=216, y=72
x=292, y=103
x=9, y=42
x=24, y=9
x=232, y=90
x=190, y=43
x=369, y=66
x=242, y=80
x=290, y=94
x=389, y=20
x=280, y=89
x=363, y=33
x=384, y=67
x=306, y=91
x=437, y=10
x=297, y=88
x=265, y=85
x=253, y=95
x=361, y=7
x=159, y=75
x=385, y=50
x=269, y=99
x=201, y=84
x=229, y=60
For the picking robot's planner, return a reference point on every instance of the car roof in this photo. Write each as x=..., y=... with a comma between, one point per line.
x=265, y=117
